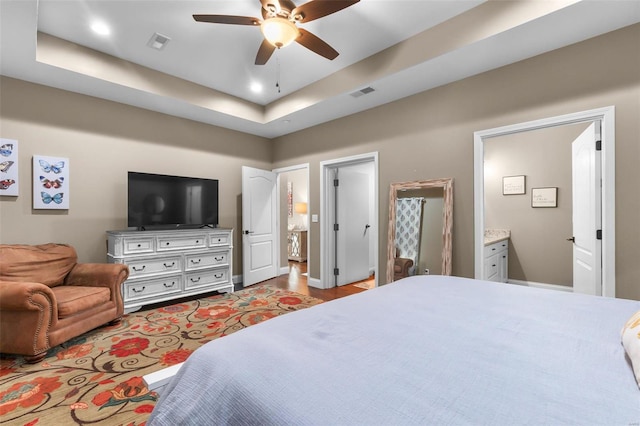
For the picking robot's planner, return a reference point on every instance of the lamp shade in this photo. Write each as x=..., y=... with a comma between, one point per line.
x=279, y=31
x=301, y=208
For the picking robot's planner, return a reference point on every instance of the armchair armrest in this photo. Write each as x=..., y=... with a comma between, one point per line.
x=27, y=312
x=98, y=275
x=24, y=296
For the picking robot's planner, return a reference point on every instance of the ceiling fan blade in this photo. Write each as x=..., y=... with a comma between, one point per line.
x=315, y=44
x=226, y=19
x=315, y=9
x=264, y=52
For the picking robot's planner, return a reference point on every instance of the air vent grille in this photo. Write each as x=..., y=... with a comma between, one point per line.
x=158, y=41
x=364, y=91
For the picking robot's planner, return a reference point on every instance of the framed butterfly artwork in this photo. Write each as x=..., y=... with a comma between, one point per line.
x=9, y=167
x=50, y=183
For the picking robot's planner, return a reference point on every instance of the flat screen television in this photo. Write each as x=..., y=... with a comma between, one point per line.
x=167, y=202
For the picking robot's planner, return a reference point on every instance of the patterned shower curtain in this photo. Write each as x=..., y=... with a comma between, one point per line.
x=408, y=217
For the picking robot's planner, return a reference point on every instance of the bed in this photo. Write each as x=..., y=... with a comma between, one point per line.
x=423, y=350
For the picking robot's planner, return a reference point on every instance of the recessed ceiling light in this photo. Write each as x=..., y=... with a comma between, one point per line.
x=101, y=28
x=256, y=87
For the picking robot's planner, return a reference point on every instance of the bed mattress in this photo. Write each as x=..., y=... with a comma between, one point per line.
x=423, y=350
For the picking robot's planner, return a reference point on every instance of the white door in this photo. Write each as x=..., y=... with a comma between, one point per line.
x=259, y=248
x=587, y=214
x=352, y=248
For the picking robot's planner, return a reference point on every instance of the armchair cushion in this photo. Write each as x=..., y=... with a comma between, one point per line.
x=47, y=264
x=72, y=300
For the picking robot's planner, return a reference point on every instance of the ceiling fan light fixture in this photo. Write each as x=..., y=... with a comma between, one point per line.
x=279, y=32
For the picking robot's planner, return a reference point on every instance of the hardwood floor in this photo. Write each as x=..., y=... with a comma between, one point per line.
x=296, y=281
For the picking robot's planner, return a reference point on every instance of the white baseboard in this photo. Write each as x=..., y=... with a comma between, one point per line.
x=542, y=285
x=284, y=270
x=236, y=279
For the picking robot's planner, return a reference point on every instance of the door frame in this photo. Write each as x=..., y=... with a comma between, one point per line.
x=279, y=207
x=606, y=116
x=326, y=226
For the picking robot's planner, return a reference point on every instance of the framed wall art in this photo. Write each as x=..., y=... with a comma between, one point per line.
x=544, y=197
x=513, y=185
x=9, y=167
x=50, y=182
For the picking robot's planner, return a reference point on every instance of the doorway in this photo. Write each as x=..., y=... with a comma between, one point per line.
x=293, y=215
x=606, y=117
x=355, y=204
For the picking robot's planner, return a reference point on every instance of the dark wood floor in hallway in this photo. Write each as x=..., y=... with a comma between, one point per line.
x=296, y=281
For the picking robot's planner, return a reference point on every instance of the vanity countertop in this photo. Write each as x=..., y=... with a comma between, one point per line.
x=494, y=235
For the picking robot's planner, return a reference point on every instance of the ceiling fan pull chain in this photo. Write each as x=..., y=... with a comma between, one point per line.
x=277, y=72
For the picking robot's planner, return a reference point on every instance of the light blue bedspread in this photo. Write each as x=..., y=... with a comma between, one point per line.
x=426, y=350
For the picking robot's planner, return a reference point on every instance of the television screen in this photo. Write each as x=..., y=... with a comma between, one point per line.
x=171, y=201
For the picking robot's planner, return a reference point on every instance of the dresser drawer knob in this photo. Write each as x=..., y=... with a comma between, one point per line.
x=218, y=275
x=195, y=262
x=218, y=259
x=169, y=266
x=139, y=269
x=138, y=291
x=169, y=285
x=194, y=280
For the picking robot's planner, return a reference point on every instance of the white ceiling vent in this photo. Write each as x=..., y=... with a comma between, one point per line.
x=364, y=91
x=158, y=41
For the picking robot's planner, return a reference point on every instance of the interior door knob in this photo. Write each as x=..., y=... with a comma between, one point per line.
x=572, y=239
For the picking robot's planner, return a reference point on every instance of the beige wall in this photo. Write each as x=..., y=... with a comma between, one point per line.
x=425, y=136
x=430, y=135
x=103, y=140
x=538, y=250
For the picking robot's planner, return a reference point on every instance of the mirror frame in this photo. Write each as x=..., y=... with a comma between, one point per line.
x=447, y=219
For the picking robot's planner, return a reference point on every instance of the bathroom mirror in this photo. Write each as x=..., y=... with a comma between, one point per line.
x=415, y=221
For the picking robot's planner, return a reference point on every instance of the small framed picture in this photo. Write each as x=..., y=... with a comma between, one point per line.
x=513, y=185
x=50, y=183
x=544, y=197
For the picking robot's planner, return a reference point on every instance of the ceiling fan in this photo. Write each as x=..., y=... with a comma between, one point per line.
x=279, y=25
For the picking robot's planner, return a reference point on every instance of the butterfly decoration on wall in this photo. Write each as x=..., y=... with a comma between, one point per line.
x=55, y=184
x=6, y=149
x=6, y=183
x=55, y=168
x=47, y=198
x=5, y=165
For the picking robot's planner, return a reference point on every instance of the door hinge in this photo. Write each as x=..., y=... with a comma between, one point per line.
x=336, y=271
x=599, y=234
x=336, y=182
x=336, y=227
x=599, y=145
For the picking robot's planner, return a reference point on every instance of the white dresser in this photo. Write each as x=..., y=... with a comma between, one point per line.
x=165, y=265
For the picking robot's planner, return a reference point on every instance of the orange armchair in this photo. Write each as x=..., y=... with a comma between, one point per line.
x=47, y=298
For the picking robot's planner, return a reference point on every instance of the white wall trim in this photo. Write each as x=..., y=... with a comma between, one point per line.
x=326, y=249
x=607, y=117
x=555, y=287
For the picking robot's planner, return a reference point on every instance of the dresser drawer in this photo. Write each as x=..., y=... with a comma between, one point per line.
x=141, y=289
x=206, y=278
x=152, y=266
x=137, y=245
x=219, y=240
x=206, y=260
x=177, y=242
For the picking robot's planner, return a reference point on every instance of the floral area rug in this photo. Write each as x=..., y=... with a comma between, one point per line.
x=97, y=377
